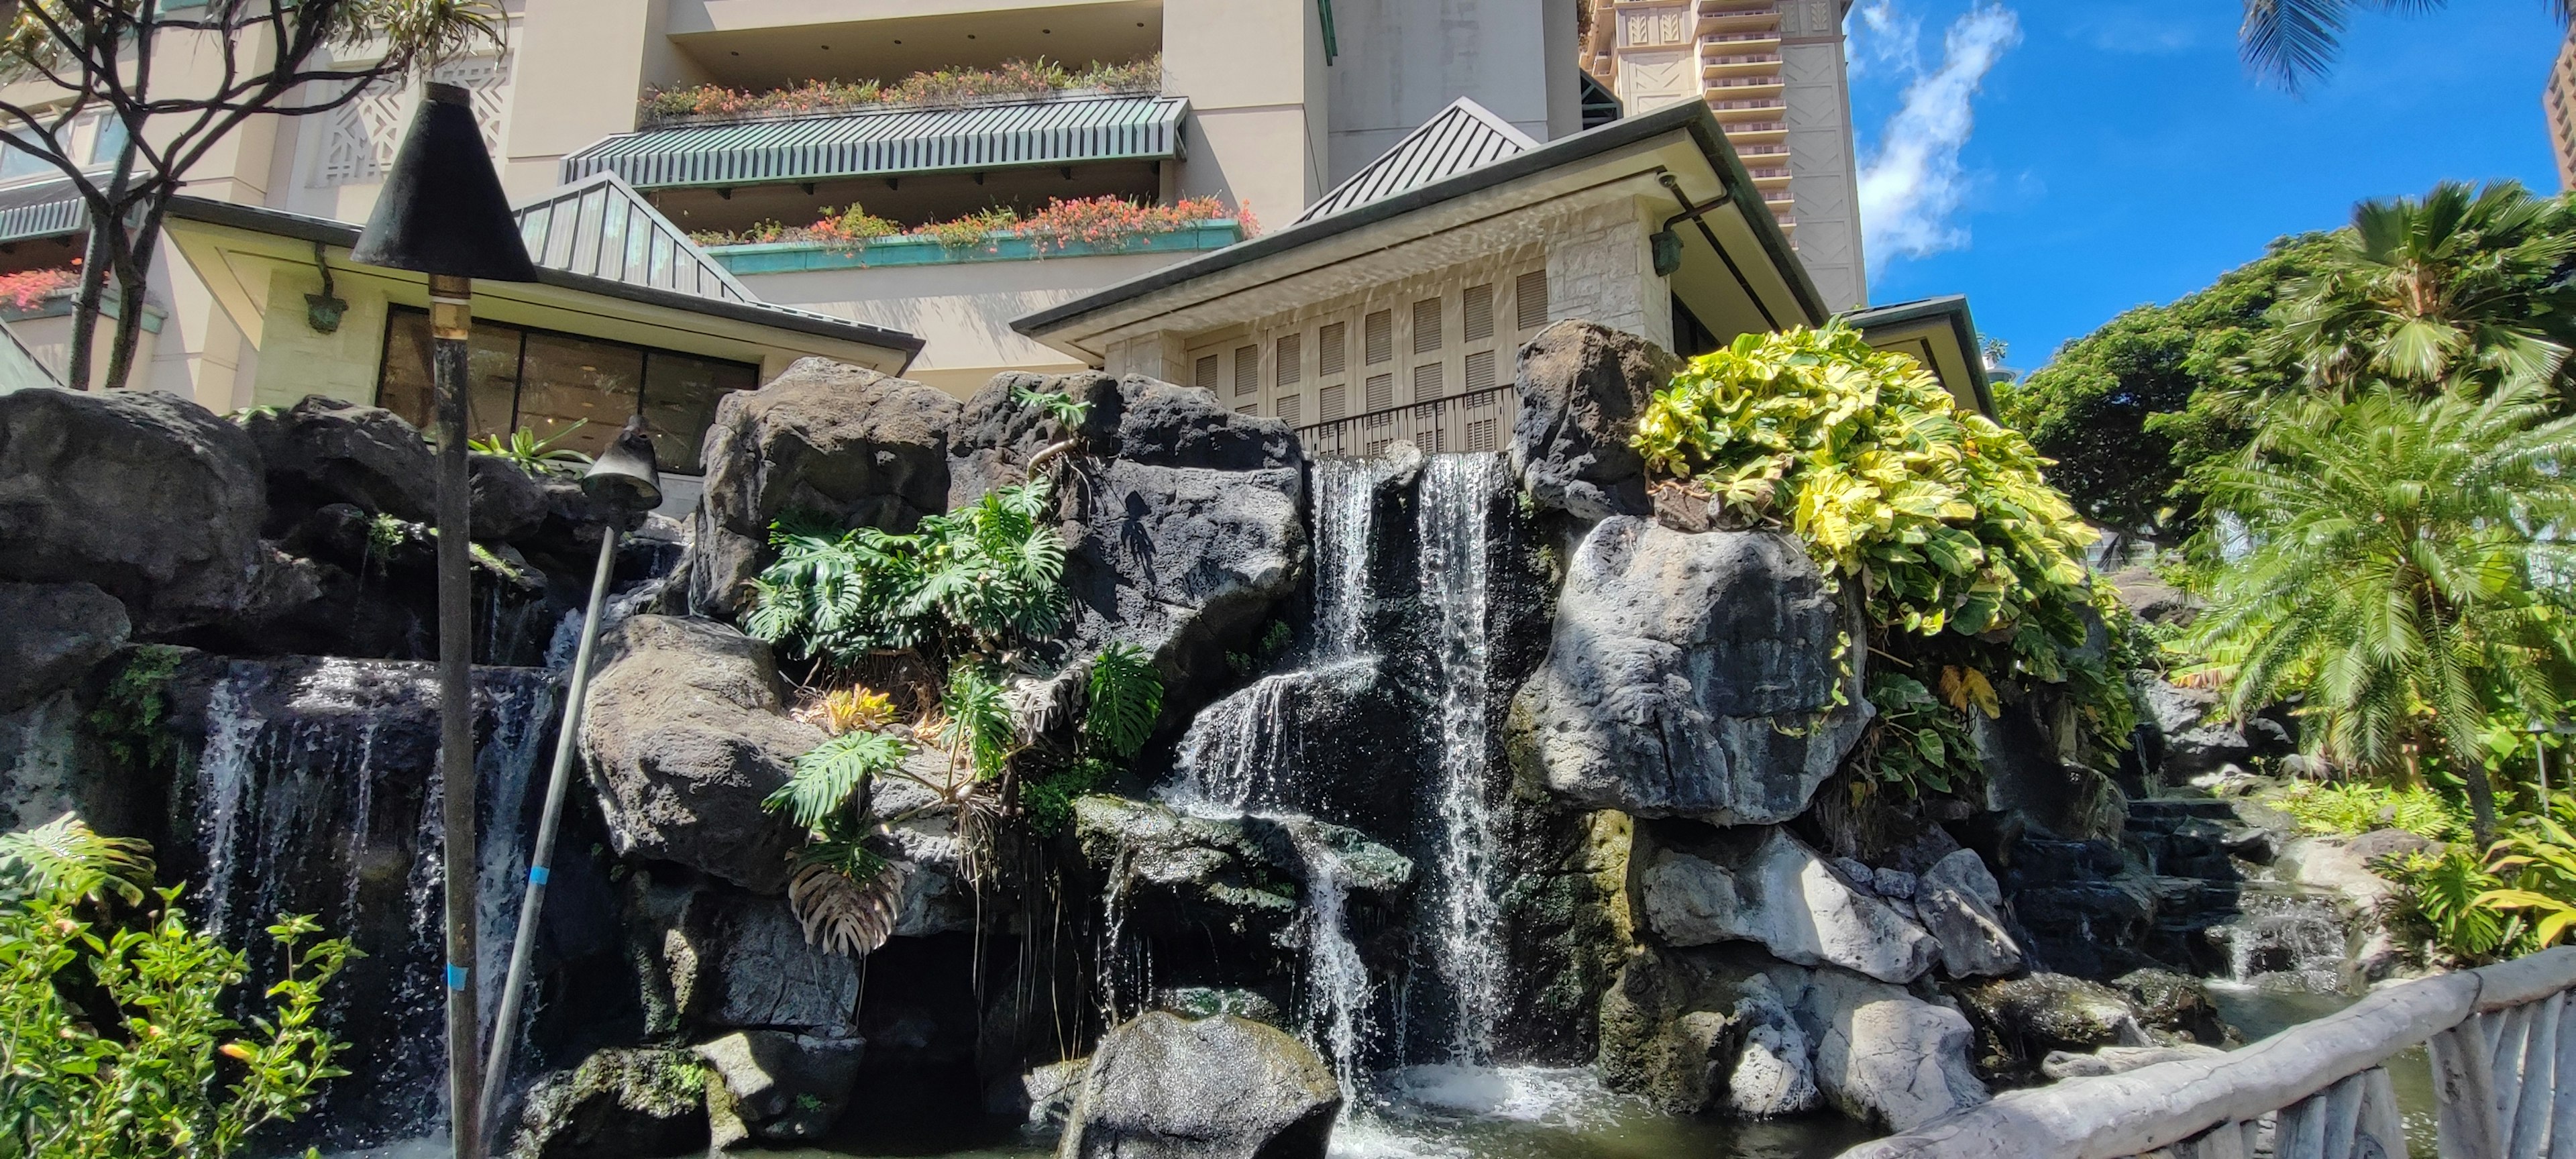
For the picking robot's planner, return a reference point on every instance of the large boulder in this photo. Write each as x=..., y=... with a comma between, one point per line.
x=51, y=635
x=1186, y=876
x=1689, y=676
x=684, y=736
x=2031, y=783
x=1165, y=1087
x=1582, y=386
x=149, y=496
x=777, y=1086
x=764, y=974
x=1703, y=1030
x=1760, y=884
x=618, y=1104
x=1181, y=529
x=1960, y=905
x=326, y=450
x=2021, y=1021
x=839, y=441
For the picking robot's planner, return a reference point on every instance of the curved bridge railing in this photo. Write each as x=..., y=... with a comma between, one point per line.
x=2504, y=1070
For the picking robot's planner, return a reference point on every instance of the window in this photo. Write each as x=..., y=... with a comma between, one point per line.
x=1426, y=325
x=548, y=382
x=1529, y=299
x=1480, y=371
x=1328, y=404
x=1291, y=408
x=1292, y=360
x=109, y=142
x=17, y=164
x=1332, y=349
x=1426, y=382
x=1381, y=391
x=1247, y=370
x=1378, y=330
x=1477, y=306
x=1203, y=375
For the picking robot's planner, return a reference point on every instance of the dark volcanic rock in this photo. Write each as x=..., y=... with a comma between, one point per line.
x=1697, y=887
x=2021, y=1020
x=1163, y=1087
x=839, y=441
x=684, y=736
x=325, y=450
x=507, y=503
x=776, y=1086
x=149, y=496
x=641, y=1103
x=1582, y=387
x=51, y=635
x=1689, y=676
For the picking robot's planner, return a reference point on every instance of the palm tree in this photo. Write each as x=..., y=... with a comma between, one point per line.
x=2401, y=576
x=2463, y=285
x=2289, y=42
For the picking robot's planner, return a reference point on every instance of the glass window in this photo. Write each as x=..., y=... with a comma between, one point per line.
x=492, y=374
x=568, y=381
x=17, y=163
x=110, y=142
x=680, y=395
x=547, y=382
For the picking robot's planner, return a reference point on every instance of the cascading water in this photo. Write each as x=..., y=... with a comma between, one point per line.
x=1455, y=560
x=317, y=792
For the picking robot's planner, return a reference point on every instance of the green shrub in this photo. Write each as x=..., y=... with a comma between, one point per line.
x=2355, y=807
x=150, y=1062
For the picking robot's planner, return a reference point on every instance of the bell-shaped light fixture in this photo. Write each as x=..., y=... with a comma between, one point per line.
x=442, y=210
x=625, y=479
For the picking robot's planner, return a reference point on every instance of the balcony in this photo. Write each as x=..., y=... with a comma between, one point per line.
x=1768, y=176
x=1739, y=64
x=1754, y=39
x=758, y=43
x=1735, y=16
x=1744, y=85
x=993, y=245
x=1728, y=109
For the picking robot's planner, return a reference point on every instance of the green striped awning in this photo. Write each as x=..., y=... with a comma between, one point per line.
x=891, y=142
x=41, y=209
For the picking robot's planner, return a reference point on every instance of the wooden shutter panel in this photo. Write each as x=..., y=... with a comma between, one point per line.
x=1426, y=325
x=1529, y=299
x=1292, y=359
x=1203, y=375
x=1332, y=349
x=1477, y=308
x=1378, y=332
x=1247, y=370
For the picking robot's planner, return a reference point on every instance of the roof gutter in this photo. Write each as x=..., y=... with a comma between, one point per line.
x=1695, y=214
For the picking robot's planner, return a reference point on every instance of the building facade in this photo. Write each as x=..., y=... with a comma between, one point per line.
x=1774, y=74
x=2558, y=105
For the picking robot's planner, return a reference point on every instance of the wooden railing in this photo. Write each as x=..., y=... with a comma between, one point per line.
x=2504, y=1068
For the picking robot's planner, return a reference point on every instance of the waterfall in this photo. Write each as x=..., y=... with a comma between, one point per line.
x=1338, y=991
x=1345, y=492
x=317, y=792
x=1455, y=505
x=1241, y=752
x=2296, y=938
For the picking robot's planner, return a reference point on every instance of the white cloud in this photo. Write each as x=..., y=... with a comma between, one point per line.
x=1879, y=36
x=1913, y=184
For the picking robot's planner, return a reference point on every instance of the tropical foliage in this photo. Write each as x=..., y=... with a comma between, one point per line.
x=1103, y=222
x=2399, y=575
x=1939, y=518
x=2350, y=808
x=119, y=1036
x=536, y=456
x=1014, y=78
x=2290, y=42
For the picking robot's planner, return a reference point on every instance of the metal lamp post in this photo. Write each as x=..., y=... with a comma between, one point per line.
x=442, y=213
x=622, y=485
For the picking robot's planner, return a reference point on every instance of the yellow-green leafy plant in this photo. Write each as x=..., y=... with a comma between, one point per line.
x=2537, y=866
x=2354, y=807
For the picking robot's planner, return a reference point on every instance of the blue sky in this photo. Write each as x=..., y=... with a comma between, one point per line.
x=2114, y=152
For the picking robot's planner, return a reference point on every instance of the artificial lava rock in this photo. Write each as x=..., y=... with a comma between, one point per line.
x=1165, y=1087
x=683, y=737
x=1689, y=676
x=836, y=441
x=1959, y=904
x=325, y=450
x=618, y=1104
x=2020, y=1021
x=1182, y=529
x=151, y=497
x=51, y=635
x=1582, y=387
x=1759, y=884
x=777, y=1086
x=1241, y=876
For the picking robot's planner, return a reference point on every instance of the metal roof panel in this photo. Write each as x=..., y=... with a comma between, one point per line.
x=890, y=142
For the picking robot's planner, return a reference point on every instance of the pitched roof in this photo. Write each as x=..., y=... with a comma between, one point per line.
x=601, y=227
x=890, y=142
x=1456, y=139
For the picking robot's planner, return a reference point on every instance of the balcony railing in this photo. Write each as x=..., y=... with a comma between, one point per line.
x=1736, y=37
x=1745, y=82
x=1737, y=127
x=1765, y=174
x=1744, y=58
x=1756, y=103
x=1475, y=421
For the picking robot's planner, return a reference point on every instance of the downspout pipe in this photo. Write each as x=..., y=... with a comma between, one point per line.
x=1695, y=214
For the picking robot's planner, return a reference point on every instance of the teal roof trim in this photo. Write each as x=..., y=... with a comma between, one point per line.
x=891, y=142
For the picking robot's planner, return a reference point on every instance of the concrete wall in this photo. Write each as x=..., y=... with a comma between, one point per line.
x=1402, y=61
x=296, y=360
x=1254, y=73
x=1600, y=269
x=963, y=312
x=1824, y=176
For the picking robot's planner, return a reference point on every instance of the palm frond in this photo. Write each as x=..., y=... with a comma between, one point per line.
x=66, y=857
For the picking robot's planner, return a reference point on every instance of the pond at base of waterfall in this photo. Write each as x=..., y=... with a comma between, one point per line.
x=1446, y=1112
x=2259, y=1011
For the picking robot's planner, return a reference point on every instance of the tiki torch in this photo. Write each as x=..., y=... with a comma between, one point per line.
x=442, y=213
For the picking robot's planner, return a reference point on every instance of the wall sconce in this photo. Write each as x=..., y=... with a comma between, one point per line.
x=323, y=311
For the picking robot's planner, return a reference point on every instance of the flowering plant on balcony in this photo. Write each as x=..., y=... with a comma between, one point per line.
x=1104, y=222
x=27, y=289
x=1016, y=78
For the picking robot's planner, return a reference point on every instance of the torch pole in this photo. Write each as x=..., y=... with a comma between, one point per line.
x=496, y=1068
x=451, y=323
